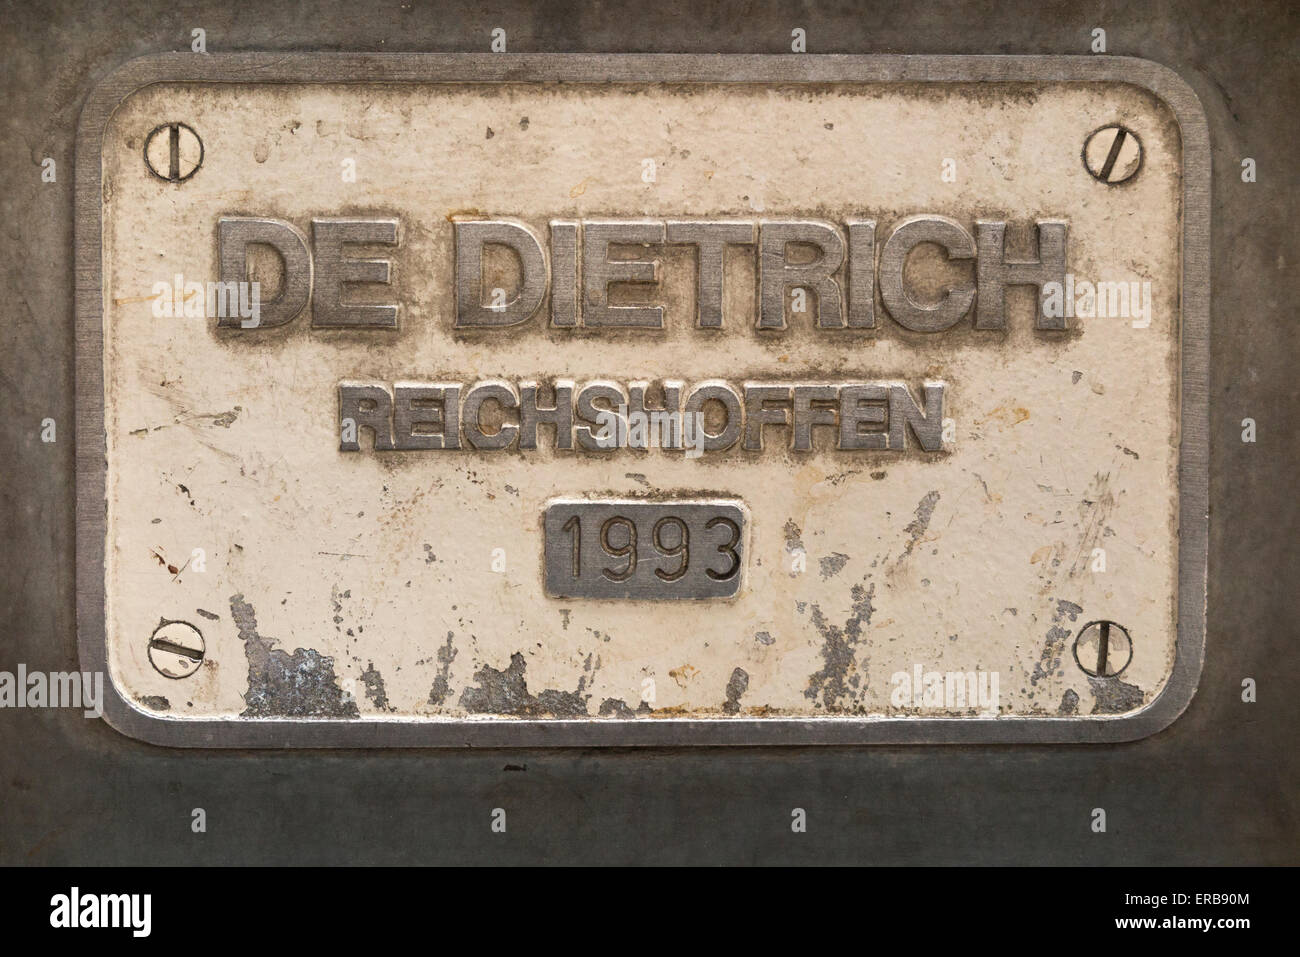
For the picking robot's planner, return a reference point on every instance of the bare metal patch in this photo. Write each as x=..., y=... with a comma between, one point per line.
x=837, y=686
x=374, y=684
x=832, y=564
x=506, y=692
x=916, y=528
x=1113, y=696
x=442, y=684
x=300, y=685
x=1049, y=659
x=736, y=686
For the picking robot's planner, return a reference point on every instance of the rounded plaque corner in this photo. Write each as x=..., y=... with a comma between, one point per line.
x=139, y=724
x=116, y=87
x=1162, y=713
x=1172, y=89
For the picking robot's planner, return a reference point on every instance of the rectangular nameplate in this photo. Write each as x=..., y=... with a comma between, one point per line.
x=433, y=400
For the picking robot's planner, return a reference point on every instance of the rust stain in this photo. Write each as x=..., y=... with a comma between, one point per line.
x=123, y=300
x=683, y=674
x=163, y=562
x=674, y=712
x=1005, y=416
x=176, y=572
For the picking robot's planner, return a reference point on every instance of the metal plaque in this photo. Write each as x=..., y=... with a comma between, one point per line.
x=641, y=400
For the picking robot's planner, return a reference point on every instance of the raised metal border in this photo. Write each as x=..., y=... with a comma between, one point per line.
x=1193, y=465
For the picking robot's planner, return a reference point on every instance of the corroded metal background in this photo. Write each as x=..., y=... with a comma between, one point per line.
x=339, y=592
x=1218, y=786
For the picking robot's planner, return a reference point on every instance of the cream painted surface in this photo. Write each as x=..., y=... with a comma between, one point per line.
x=229, y=443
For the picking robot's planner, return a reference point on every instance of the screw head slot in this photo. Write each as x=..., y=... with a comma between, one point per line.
x=1112, y=154
x=1103, y=649
x=176, y=649
x=173, y=151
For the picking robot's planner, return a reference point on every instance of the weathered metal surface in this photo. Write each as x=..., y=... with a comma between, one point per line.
x=372, y=596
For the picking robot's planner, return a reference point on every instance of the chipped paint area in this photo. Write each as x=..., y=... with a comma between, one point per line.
x=364, y=586
x=283, y=685
x=506, y=693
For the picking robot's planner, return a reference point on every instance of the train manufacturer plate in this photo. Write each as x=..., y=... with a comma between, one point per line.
x=444, y=400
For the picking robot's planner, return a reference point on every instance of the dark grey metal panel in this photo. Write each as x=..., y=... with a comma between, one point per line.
x=1219, y=786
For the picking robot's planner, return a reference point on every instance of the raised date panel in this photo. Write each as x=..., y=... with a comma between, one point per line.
x=644, y=550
